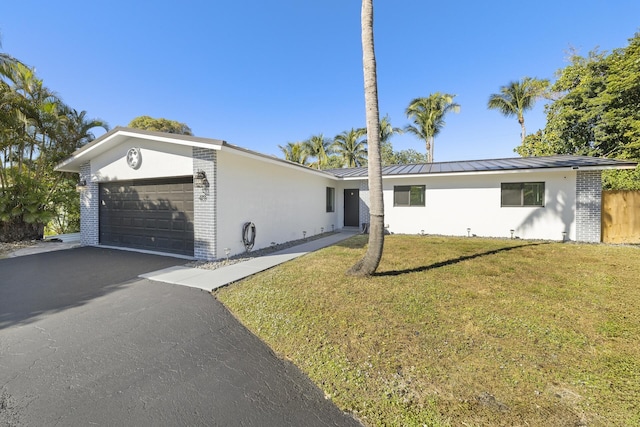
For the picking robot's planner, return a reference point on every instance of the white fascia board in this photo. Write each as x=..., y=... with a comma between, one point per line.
x=190, y=142
x=493, y=172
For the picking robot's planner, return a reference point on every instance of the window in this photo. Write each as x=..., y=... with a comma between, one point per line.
x=331, y=199
x=408, y=195
x=522, y=194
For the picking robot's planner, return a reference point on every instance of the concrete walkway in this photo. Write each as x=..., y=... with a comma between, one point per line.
x=48, y=244
x=209, y=280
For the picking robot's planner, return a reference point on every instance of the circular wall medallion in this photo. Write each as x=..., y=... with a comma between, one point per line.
x=134, y=158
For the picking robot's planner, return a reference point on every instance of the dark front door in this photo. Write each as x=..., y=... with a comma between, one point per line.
x=155, y=215
x=352, y=208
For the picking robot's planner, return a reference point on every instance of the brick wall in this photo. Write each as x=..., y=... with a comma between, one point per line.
x=204, y=205
x=588, y=206
x=89, y=208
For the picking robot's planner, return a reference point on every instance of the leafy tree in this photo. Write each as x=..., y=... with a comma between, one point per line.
x=517, y=97
x=402, y=157
x=37, y=130
x=160, y=125
x=535, y=144
x=369, y=263
x=295, y=152
x=428, y=115
x=334, y=162
x=351, y=148
x=596, y=112
x=318, y=147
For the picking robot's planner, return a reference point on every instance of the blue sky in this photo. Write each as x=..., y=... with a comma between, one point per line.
x=259, y=74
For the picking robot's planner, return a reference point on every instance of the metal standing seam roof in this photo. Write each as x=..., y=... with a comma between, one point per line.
x=491, y=165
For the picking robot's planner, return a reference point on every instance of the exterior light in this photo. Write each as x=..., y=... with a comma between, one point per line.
x=81, y=184
x=227, y=251
x=512, y=231
x=468, y=232
x=304, y=234
x=564, y=236
x=200, y=181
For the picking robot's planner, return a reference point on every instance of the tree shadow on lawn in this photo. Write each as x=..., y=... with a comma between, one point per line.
x=454, y=261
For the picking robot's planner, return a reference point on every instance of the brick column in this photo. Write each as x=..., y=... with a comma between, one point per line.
x=89, y=208
x=204, y=205
x=364, y=202
x=588, y=206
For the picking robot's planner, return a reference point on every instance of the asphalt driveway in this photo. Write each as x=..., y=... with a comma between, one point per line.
x=84, y=341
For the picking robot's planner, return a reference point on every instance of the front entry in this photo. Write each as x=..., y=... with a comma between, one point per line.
x=351, y=208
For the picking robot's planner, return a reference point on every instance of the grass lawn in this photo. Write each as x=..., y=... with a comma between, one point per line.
x=460, y=331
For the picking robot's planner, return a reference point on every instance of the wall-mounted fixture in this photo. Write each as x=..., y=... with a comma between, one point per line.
x=200, y=181
x=81, y=184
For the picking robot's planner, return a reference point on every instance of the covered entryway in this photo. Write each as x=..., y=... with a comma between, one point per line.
x=351, y=207
x=154, y=214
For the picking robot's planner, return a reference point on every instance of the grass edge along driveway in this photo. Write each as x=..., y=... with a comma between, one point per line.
x=459, y=331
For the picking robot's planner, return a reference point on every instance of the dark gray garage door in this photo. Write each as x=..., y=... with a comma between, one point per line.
x=154, y=215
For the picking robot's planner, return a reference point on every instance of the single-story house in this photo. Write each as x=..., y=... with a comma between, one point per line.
x=194, y=196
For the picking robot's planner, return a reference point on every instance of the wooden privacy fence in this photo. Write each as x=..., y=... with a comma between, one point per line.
x=621, y=216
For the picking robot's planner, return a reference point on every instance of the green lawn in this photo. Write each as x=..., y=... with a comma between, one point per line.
x=460, y=331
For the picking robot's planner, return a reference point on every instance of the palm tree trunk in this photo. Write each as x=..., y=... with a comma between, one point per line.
x=523, y=132
x=369, y=263
x=431, y=141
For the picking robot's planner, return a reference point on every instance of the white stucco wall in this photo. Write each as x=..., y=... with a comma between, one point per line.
x=282, y=201
x=158, y=160
x=457, y=202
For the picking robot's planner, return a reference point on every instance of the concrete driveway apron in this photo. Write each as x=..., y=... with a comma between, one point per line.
x=84, y=341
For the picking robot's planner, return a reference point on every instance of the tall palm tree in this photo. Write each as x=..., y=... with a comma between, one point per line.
x=427, y=115
x=517, y=97
x=294, y=152
x=351, y=147
x=369, y=263
x=387, y=130
x=319, y=147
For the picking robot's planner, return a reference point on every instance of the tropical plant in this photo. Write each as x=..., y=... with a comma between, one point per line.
x=295, y=152
x=369, y=263
x=387, y=130
x=351, y=148
x=319, y=148
x=428, y=115
x=37, y=130
x=517, y=97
